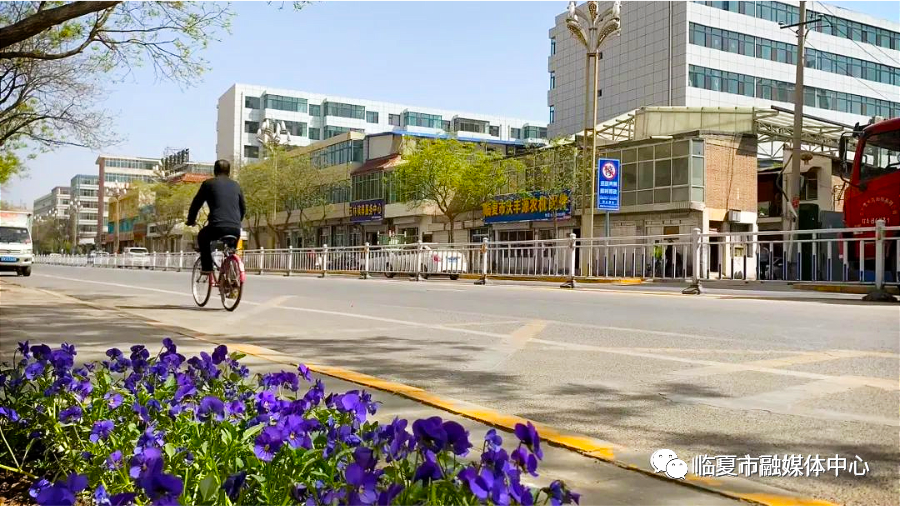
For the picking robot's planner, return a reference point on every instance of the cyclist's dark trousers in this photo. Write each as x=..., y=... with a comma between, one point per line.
x=206, y=237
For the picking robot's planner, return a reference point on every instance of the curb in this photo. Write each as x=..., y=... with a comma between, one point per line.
x=850, y=289
x=732, y=488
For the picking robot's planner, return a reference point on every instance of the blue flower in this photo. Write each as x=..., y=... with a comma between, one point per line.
x=457, y=437
x=268, y=442
x=529, y=437
x=62, y=493
x=265, y=401
x=211, y=407
x=304, y=371
x=71, y=414
x=386, y=497
x=431, y=433
x=560, y=494
x=294, y=431
x=429, y=469
x=160, y=487
x=525, y=460
x=37, y=487
x=234, y=408
x=142, y=461
x=101, y=498
x=114, y=400
x=34, y=370
x=479, y=484
x=114, y=461
x=9, y=413
x=493, y=439
x=101, y=430
x=234, y=483
x=140, y=411
x=40, y=352
x=219, y=354
x=24, y=349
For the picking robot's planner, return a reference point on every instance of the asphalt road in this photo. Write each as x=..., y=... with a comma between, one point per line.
x=717, y=374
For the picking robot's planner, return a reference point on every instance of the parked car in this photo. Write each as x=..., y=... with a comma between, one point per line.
x=444, y=262
x=97, y=257
x=136, y=258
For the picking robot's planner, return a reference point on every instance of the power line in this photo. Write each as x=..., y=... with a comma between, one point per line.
x=848, y=37
x=861, y=81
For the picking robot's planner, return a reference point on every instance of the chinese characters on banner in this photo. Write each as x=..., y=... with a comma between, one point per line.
x=608, y=184
x=366, y=211
x=533, y=206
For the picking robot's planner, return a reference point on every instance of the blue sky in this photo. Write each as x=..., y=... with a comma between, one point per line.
x=488, y=57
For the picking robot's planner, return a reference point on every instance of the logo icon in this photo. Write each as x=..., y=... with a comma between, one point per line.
x=609, y=170
x=666, y=461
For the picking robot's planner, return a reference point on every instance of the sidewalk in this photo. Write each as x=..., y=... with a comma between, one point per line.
x=47, y=318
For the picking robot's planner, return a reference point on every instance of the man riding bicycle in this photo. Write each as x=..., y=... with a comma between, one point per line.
x=225, y=199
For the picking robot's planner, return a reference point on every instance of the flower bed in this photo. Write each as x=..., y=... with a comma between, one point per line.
x=136, y=429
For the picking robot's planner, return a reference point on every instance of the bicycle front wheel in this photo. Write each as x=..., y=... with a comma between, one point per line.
x=201, y=287
x=230, y=285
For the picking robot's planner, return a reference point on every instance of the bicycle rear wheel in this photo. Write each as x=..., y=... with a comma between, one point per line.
x=201, y=287
x=231, y=288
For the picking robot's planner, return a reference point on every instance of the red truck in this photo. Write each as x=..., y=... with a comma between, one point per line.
x=874, y=190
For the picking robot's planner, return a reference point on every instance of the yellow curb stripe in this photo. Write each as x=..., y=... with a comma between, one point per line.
x=582, y=444
x=849, y=289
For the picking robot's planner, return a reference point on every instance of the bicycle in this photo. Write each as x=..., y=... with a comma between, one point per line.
x=229, y=276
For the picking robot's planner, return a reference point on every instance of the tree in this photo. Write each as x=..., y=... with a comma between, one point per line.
x=169, y=209
x=55, y=58
x=51, y=234
x=279, y=188
x=456, y=177
x=553, y=169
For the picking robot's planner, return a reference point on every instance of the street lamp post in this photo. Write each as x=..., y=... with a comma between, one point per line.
x=74, y=211
x=117, y=193
x=270, y=137
x=591, y=29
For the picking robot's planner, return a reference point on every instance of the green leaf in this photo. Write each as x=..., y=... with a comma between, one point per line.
x=170, y=450
x=209, y=488
x=252, y=431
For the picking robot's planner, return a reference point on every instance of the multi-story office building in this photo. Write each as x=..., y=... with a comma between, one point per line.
x=117, y=173
x=311, y=117
x=84, y=190
x=55, y=203
x=730, y=54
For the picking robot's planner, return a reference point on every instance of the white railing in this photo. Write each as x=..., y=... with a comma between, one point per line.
x=859, y=256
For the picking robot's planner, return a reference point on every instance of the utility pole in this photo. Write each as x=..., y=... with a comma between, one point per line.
x=794, y=185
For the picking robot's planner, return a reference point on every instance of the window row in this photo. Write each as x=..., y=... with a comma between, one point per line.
x=830, y=25
x=533, y=132
x=124, y=178
x=331, y=131
x=769, y=89
x=337, y=154
x=748, y=45
x=420, y=119
x=371, y=117
x=128, y=164
x=281, y=103
x=345, y=110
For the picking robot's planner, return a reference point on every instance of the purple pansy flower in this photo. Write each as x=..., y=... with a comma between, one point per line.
x=430, y=432
x=234, y=483
x=268, y=442
x=304, y=372
x=101, y=430
x=529, y=437
x=114, y=399
x=114, y=461
x=70, y=414
x=62, y=493
x=211, y=407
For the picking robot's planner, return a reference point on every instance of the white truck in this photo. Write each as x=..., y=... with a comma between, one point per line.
x=16, y=251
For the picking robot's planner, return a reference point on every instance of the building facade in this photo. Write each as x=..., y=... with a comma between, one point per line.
x=55, y=203
x=702, y=54
x=116, y=173
x=312, y=117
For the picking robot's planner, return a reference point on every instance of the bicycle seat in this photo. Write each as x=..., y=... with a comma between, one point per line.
x=229, y=240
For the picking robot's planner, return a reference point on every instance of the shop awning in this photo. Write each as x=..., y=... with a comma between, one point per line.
x=377, y=164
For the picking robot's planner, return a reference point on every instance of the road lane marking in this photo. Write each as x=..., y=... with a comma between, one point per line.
x=268, y=305
x=803, y=358
x=873, y=382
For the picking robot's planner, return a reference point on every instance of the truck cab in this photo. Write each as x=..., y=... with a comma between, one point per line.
x=873, y=191
x=16, y=250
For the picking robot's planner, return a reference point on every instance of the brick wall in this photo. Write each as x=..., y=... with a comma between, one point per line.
x=731, y=172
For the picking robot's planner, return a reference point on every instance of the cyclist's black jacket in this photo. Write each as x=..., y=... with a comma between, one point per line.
x=225, y=200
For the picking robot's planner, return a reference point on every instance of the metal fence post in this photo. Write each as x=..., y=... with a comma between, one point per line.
x=696, y=245
x=484, y=262
x=418, y=261
x=262, y=259
x=572, y=248
x=878, y=294
x=180, y=260
x=324, y=260
x=290, y=260
x=365, y=271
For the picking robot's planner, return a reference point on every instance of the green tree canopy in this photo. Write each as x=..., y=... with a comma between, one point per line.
x=457, y=177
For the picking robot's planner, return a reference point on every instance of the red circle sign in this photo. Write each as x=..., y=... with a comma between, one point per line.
x=609, y=170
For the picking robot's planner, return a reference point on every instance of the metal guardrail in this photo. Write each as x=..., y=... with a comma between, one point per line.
x=869, y=255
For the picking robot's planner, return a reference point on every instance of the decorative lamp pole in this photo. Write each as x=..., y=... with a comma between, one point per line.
x=591, y=29
x=74, y=213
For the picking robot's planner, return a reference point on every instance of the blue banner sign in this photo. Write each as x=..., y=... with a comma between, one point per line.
x=608, y=184
x=531, y=206
x=366, y=211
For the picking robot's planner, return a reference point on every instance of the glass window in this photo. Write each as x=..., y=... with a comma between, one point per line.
x=680, y=148
x=645, y=153
x=644, y=197
x=282, y=103
x=628, y=198
x=664, y=150
x=516, y=133
x=697, y=147
x=645, y=175
x=680, y=194
x=315, y=134
x=251, y=127
x=629, y=155
x=697, y=171
x=345, y=110
x=315, y=110
x=552, y=46
x=251, y=151
x=680, y=172
x=494, y=131
x=663, y=175
x=662, y=195
x=251, y=102
x=629, y=176
x=552, y=80
x=697, y=194
x=552, y=114
x=394, y=119
x=371, y=117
